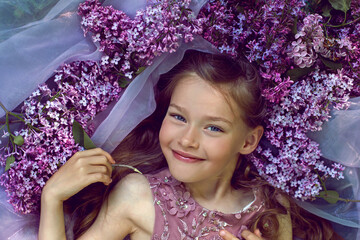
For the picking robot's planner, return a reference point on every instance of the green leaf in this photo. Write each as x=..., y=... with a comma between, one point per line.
x=297, y=73
x=330, y=196
x=123, y=82
x=140, y=70
x=9, y=160
x=331, y=64
x=19, y=140
x=326, y=9
x=342, y=5
x=81, y=137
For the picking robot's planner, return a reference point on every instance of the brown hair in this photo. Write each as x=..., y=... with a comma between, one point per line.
x=141, y=149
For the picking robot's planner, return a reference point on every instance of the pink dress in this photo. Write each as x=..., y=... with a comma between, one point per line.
x=179, y=216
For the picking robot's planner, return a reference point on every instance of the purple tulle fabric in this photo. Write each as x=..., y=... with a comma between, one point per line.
x=32, y=53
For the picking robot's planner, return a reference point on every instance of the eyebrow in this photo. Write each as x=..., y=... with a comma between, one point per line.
x=211, y=118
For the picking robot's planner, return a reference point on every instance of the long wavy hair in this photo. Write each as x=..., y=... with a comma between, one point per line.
x=238, y=80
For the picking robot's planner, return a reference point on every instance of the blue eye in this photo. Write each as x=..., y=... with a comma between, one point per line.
x=214, y=129
x=178, y=117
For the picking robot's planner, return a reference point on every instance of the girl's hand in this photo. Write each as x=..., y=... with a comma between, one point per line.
x=246, y=234
x=82, y=169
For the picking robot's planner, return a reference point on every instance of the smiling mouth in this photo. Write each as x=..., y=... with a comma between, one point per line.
x=184, y=157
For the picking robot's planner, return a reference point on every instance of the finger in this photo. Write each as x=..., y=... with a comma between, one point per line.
x=94, y=152
x=227, y=235
x=246, y=234
x=257, y=233
x=98, y=169
x=98, y=177
x=99, y=160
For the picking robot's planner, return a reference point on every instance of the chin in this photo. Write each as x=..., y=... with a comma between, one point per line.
x=185, y=174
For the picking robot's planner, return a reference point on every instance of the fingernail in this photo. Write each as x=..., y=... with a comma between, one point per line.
x=222, y=233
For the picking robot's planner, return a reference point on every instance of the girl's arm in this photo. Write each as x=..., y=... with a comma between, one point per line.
x=285, y=225
x=51, y=219
x=81, y=170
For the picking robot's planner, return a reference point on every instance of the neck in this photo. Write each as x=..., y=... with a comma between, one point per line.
x=217, y=193
x=212, y=190
x=220, y=195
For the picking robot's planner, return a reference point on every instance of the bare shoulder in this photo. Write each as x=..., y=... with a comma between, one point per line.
x=133, y=195
x=129, y=209
x=134, y=187
x=133, y=198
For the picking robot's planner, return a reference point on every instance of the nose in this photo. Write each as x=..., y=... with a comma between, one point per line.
x=189, y=139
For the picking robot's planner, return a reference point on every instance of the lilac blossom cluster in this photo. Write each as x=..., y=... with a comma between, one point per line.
x=311, y=41
x=304, y=109
x=219, y=25
x=130, y=44
x=82, y=90
x=308, y=63
x=307, y=68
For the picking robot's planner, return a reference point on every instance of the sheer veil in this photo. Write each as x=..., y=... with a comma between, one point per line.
x=31, y=53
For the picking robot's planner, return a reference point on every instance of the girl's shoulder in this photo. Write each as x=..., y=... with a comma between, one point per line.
x=132, y=185
x=133, y=191
x=128, y=209
x=132, y=197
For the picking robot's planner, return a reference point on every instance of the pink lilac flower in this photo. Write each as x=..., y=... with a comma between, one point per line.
x=81, y=93
x=355, y=8
x=309, y=41
x=134, y=43
x=302, y=110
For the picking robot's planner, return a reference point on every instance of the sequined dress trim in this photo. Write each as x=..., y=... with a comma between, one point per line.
x=179, y=216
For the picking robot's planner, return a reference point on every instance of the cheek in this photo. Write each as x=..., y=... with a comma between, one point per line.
x=164, y=131
x=221, y=149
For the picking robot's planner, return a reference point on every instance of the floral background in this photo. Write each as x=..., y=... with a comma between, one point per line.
x=307, y=53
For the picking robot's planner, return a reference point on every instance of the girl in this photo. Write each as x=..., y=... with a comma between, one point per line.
x=198, y=183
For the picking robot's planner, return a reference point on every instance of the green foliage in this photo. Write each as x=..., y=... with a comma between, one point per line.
x=9, y=160
x=330, y=64
x=330, y=196
x=81, y=137
x=123, y=82
x=19, y=140
x=326, y=9
x=140, y=70
x=297, y=73
x=342, y=5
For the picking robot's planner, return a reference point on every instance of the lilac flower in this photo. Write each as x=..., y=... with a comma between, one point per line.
x=157, y=29
x=277, y=37
x=46, y=149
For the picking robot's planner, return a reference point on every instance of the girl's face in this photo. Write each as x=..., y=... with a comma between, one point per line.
x=201, y=135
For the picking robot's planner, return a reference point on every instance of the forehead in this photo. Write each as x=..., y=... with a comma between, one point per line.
x=193, y=91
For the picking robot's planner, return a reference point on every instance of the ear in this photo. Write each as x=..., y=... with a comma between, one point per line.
x=252, y=140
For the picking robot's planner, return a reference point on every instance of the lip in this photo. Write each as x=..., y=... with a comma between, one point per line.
x=185, y=157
